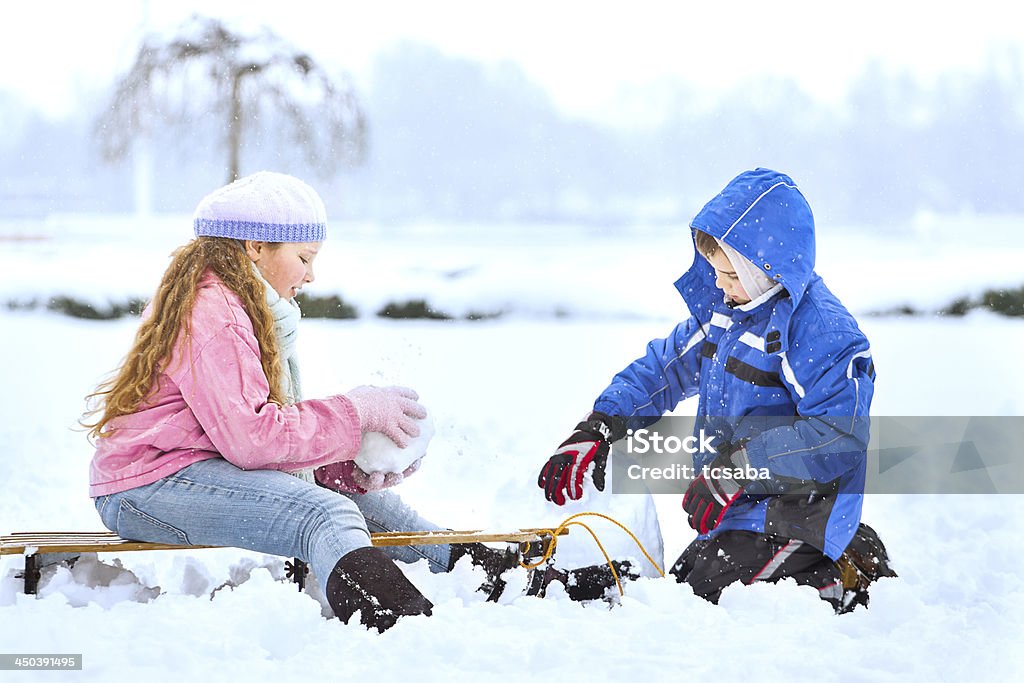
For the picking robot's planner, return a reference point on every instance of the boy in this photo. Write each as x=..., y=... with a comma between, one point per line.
x=784, y=378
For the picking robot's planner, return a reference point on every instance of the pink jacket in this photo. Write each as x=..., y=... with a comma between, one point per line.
x=214, y=405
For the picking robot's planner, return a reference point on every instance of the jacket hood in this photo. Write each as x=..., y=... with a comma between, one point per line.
x=762, y=215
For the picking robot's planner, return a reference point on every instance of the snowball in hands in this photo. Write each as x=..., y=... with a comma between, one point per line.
x=380, y=454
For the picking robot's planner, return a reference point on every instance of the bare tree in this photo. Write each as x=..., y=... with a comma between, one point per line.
x=206, y=68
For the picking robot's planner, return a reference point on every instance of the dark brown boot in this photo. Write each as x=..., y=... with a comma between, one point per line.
x=369, y=582
x=493, y=562
x=585, y=583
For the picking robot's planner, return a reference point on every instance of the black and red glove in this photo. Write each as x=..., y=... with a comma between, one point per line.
x=714, y=491
x=562, y=475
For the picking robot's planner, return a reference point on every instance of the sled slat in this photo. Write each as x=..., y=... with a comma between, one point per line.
x=447, y=536
x=106, y=541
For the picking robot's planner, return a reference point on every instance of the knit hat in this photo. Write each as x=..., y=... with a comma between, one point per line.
x=264, y=206
x=753, y=280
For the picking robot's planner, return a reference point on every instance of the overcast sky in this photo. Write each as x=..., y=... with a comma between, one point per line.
x=583, y=53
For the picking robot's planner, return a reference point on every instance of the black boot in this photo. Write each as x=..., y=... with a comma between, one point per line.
x=585, y=583
x=493, y=562
x=368, y=581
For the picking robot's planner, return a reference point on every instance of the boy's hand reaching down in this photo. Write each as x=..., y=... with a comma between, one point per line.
x=562, y=476
x=713, y=492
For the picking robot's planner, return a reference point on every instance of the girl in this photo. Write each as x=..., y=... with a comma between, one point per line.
x=202, y=425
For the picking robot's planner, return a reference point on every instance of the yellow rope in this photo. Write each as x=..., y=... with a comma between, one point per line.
x=569, y=522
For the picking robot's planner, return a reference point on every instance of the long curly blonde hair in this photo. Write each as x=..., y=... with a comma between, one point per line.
x=169, y=321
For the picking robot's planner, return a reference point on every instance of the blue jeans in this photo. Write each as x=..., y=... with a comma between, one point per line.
x=212, y=502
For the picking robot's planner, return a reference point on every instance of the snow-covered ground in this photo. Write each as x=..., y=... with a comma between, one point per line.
x=504, y=393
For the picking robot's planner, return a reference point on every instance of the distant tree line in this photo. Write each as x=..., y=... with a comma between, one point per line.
x=455, y=140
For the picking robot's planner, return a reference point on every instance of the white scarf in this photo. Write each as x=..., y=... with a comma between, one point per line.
x=286, y=327
x=753, y=280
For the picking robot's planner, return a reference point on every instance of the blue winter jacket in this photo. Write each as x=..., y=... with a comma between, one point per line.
x=789, y=375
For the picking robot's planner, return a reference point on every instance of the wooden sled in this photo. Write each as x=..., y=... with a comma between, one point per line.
x=46, y=547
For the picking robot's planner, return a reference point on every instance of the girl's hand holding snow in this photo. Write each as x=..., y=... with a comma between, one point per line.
x=392, y=411
x=348, y=477
x=375, y=481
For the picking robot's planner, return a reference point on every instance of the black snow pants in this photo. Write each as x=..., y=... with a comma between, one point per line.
x=709, y=565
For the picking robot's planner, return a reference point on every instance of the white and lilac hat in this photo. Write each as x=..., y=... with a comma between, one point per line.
x=264, y=206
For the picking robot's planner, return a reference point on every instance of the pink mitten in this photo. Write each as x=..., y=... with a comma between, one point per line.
x=392, y=411
x=348, y=477
x=375, y=481
x=340, y=477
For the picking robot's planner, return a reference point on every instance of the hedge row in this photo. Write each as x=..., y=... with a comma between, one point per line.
x=312, y=307
x=1008, y=302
